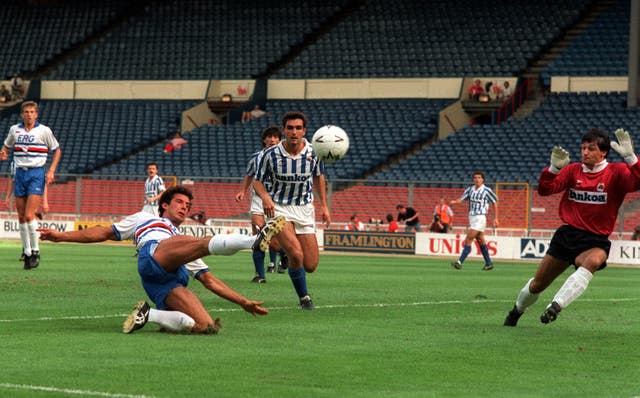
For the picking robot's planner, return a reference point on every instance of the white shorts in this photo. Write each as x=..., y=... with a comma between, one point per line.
x=478, y=223
x=151, y=210
x=302, y=217
x=256, y=205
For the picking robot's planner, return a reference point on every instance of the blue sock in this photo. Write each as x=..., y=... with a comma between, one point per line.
x=485, y=253
x=299, y=279
x=272, y=255
x=465, y=253
x=258, y=262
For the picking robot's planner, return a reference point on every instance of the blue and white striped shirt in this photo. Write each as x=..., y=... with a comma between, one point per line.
x=252, y=170
x=479, y=199
x=153, y=187
x=291, y=176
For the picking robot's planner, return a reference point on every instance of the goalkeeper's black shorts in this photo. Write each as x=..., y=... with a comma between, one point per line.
x=569, y=242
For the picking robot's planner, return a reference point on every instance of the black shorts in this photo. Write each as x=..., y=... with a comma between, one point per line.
x=569, y=242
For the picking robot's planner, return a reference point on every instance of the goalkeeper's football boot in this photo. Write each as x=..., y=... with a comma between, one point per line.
x=487, y=267
x=271, y=229
x=138, y=317
x=306, y=303
x=512, y=317
x=258, y=279
x=550, y=314
x=456, y=264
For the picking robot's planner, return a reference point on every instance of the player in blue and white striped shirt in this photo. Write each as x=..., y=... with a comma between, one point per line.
x=153, y=189
x=480, y=197
x=270, y=136
x=294, y=169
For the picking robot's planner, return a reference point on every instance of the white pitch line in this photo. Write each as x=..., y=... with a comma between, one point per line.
x=70, y=391
x=328, y=306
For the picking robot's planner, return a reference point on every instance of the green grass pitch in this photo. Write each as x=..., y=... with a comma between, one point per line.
x=384, y=326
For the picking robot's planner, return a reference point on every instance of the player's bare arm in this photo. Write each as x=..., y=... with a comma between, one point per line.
x=267, y=202
x=221, y=289
x=87, y=235
x=246, y=183
x=54, y=164
x=320, y=184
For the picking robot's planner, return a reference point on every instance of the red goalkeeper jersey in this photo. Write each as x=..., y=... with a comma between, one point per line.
x=591, y=200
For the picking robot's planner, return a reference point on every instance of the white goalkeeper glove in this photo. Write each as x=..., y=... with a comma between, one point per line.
x=624, y=146
x=559, y=159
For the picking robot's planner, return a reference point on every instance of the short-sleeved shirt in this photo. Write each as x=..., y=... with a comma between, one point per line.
x=479, y=199
x=153, y=187
x=31, y=148
x=143, y=227
x=291, y=176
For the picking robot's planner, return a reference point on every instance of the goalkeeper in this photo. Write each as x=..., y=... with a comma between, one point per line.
x=592, y=192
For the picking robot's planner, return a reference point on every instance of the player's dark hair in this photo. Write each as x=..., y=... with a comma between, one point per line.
x=152, y=164
x=599, y=137
x=167, y=196
x=271, y=131
x=292, y=116
x=480, y=173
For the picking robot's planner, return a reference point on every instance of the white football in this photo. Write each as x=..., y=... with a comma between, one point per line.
x=330, y=143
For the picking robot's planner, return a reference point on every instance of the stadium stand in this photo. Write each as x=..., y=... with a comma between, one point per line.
x=428, y=38
x=518, y=149
x=601, y=50
x=93, y=134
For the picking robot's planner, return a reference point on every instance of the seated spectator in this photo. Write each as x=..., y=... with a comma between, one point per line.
x=393, y=224
x=17, y=87
x=476, y=90
x=5, y=94
x=256, y=113
x=497, y=94
x=176, y=143
x=636, y=233
x=355, y=224
x=506, y=91
x=436, y=225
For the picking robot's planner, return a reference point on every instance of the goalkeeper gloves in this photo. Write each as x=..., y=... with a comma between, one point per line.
x=559, y=159
x=624, y=146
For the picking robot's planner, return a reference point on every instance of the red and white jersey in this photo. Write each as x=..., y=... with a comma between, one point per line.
x=591, y=199
x=31, y=148
x=143, y=227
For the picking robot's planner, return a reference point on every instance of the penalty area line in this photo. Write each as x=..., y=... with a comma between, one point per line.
x=70, y=391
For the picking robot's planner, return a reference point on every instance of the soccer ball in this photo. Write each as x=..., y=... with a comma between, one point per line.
x=330, y=143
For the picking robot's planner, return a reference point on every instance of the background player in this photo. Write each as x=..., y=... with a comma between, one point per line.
x=294, y=170
x=592, y=192
x=153, y=188
x=31, y=142
x=480, y=197
x=270, y=136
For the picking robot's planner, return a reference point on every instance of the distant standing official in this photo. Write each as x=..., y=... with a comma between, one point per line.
x=153, y=189
x=480, y=197
x=31, y=142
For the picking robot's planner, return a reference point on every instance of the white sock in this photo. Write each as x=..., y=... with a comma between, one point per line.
x=25, y=237
x=573, y=287
x=526, y=298
x=174, y=321
x=33, y=235
x=228, y=244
